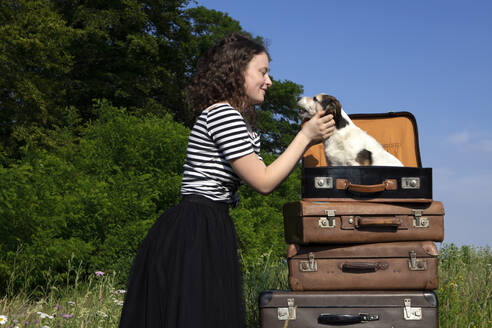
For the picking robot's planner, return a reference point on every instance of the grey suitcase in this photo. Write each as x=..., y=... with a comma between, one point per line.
x=368, y=309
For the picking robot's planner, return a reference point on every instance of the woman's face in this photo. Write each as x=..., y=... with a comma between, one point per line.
x=256, y=79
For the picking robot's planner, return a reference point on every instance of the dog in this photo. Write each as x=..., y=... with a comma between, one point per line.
x=349, y=145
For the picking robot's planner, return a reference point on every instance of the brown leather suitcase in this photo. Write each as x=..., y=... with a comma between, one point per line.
x=397, y=132
x=318, y=222
x=368, y=309
x=378, y=266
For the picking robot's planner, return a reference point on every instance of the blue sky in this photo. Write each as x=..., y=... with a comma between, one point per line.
x=431, y=58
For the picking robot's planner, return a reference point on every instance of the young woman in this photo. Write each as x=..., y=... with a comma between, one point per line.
x=187, y=271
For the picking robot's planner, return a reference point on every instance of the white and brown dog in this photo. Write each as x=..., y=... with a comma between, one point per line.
x=349, y=145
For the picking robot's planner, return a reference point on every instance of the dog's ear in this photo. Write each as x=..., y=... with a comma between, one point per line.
x=332, y=106
x=340, y=121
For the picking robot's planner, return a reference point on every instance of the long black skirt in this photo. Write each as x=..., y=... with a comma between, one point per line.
x=187, y=272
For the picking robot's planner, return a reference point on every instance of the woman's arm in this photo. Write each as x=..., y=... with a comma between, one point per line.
x=265, y=179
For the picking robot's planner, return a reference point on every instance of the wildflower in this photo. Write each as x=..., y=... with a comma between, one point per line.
x=71, y=303
x=44, y=315
x=26, y=323
x=99, y=273
x=66, y=315
x=45, y=327
x=117, y=302
x=120, y=291
x=3, y=319
x=58, y=307
x=102, y=314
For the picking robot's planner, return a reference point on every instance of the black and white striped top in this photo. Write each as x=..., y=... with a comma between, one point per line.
x=219, y=135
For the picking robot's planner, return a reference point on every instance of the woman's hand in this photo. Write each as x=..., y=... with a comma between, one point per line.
x=265, y=178
x=319, y=127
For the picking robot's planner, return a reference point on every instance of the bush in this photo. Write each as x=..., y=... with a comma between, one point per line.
x=259, y=218
x=89, y=195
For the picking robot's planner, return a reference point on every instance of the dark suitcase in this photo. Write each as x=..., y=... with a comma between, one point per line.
x=398, y=134
x=368, y=309
x=379, y=266
x=313, y=222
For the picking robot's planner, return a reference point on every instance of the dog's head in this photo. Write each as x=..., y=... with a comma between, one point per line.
x=309, y=106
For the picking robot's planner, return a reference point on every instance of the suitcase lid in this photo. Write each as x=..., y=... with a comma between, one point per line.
x=420, y=249
x=320, y=208
x=324, y=299
x=396, y=131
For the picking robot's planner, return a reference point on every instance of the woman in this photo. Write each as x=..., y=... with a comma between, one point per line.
x=187, y=272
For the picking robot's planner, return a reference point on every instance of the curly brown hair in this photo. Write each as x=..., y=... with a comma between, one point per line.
x=220, y=71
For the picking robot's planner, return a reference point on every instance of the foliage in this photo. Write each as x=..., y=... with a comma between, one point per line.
x=465, y=286
x=277, y=117
x=93, y=199
x=259, y=218
x=92, y=196
x=58, y=56
x=34, y=63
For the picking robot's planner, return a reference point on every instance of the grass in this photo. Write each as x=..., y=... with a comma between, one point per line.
x=465, y=287
x=465, y=294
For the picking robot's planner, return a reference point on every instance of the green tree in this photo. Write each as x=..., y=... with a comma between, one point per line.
x=277, y=117
x=59, y=54
x=34, y=64
x=140, y=55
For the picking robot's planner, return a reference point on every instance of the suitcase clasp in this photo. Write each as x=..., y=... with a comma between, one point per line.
x=310, y=265
x=410, y=183
x=411, y=313
x=329, y=221
x=287, y=313
x=323, y=182
x=414, y=264
x=419, y=221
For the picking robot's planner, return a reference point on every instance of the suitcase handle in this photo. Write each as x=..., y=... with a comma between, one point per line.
x=379, y=222
x=388, y=184
x=363, y=267
x=345, y=319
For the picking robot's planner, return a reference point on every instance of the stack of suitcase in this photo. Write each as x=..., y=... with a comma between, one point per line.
x=361, y=241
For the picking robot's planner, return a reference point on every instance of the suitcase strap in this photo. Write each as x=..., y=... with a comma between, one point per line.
x=388, y=184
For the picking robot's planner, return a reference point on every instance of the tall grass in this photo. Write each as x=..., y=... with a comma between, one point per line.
x=465, y=287
x=465, y=294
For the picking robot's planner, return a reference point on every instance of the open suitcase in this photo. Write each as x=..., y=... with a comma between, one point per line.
x=378, y=266
x=322, y=222
x=398, y=133
x=368, y=309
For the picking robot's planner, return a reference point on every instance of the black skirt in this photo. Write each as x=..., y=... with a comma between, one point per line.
x=187, y=271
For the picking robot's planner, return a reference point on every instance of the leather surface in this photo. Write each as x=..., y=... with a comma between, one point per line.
x=361, y=222
x=391, y=261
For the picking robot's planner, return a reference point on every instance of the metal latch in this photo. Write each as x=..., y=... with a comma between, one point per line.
x=323, y=182
x=328, y=221
x=411, y=313
x=414, y=264
x=368, y=317
x=419, y=221
x=310, y=265
x=410, y=183
x=287, y=313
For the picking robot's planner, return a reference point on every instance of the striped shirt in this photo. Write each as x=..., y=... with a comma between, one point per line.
x=219, y=135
